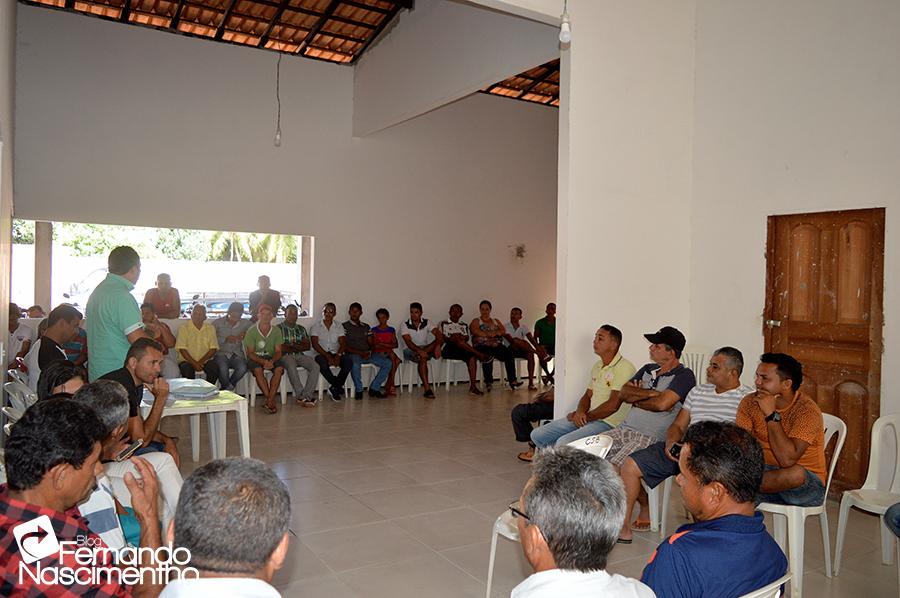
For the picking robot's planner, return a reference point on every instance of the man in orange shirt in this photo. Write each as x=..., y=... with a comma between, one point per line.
x=164, y=298
x=788, y=424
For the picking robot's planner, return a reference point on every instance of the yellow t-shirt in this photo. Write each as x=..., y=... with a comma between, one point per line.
x=197, y=342
x=607, y=378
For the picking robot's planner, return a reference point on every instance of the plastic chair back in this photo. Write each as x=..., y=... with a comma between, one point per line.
x=12, y=414
x=883, y=425
x=773, y=590
x=696, y=359
x=598, y=444
x=17, y=376
x=833, y=425
x=20, y=396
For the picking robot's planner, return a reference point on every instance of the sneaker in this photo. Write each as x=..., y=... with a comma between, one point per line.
x=429, y=394
x=487, y=387
x=358, y=395
x=335, y=393
x=475, y=392
x=515, y=385
x=376, y=394
x=308, y=403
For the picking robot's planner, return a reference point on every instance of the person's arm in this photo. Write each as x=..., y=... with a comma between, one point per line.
x=475, y=329
x=168, y=338
x=144, y=490
x=677, y=430
x=147, y=428
x=207, y=356
x=533, y=342
x=318, y=348
x=606, y=408
x=677, y=390
x=579, y=416
x=175, y=310
x=410, y=344
x=26, y=346
x=303, y=343
x=136, y=334
x=787, y=450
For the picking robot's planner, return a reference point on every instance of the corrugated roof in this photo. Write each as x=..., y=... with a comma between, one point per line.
x=539, y=85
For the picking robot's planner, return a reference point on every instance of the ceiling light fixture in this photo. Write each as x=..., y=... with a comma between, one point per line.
x=278, y=101
x=565, y=28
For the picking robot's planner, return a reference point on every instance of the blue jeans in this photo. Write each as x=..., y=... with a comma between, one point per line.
x=379, y=360
x=892, y=519
x=224, y=361
x=811, y=493
x=560, y=432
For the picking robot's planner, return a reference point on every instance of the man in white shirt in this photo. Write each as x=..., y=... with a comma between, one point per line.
x=717, y=400
x=522, y=344
x=249, y=509
x=20, y=337
x=568, y=517
x=423, y=342
x=328, y=344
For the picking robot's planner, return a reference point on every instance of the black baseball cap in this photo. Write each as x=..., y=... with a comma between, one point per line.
x=667, y=335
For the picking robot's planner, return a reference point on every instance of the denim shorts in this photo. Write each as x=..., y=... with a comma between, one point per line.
x=655, y=466
x=410, y=355
x=811, y=493
x=252, y=365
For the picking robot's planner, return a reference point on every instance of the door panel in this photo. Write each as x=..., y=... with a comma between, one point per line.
x=824, y=307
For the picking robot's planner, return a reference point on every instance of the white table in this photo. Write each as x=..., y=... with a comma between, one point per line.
x=216, y=408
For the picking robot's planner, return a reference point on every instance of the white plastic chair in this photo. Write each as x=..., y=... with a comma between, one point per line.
x=790, y=520
x=659, y=511
x=449, y=370
x=773, y=590
x=874, y=497
x=12, y=414
x=505, y=525
x=20, y=396
x=18, y=376
x=409, y=371
x=696, y=358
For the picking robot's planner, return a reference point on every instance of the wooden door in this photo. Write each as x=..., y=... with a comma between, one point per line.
x=824, y=306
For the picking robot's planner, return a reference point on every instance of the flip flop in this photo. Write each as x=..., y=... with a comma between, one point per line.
x=623, y=541
x=523, y=457
x=269, y=409
x=641, y=525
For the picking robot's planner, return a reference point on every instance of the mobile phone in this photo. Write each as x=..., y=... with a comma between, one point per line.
x=675, y=451
x=126, y=452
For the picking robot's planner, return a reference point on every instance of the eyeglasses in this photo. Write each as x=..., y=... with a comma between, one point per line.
x=516, y=513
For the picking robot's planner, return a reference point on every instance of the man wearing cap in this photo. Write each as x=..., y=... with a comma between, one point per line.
x=655, y=394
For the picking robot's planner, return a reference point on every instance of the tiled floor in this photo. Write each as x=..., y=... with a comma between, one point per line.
x=396, y=498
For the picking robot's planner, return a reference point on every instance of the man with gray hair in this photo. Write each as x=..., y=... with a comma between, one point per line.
x=717, y=400
x=233, y=517
x=569, y=517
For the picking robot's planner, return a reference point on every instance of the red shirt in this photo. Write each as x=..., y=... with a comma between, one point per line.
x=164, y=303
x=68, y=526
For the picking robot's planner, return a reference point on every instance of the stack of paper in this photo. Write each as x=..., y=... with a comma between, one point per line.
x=192, y=389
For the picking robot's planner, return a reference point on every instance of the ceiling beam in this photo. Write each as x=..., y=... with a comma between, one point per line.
x=221, y=30
x=126, y=11
x=70, y=4
x=173, y=24
x=329, y=12
x=368, y=7
x=278, y=12
x=535, y=82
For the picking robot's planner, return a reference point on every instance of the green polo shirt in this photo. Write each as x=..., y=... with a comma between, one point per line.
x=111, y=315
x=264, y=346
x=607, y=378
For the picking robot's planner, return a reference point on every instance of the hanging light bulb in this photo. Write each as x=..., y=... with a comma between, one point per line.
x=565, y=28
x=277, y=139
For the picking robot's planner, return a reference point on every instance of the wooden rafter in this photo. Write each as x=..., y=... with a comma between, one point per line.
x=329, y=12
x=126, y=12
x=227, y=15
x=274, y=21
x=384, y=23
x=173, y=24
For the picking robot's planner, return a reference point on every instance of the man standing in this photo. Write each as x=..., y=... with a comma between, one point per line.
x=717, y=400
x=726, y=551
x=263, y=344
x=296, y=342
x=567, y=518
x=655, y=394
x=456, y=346
x=788, y=424
x=358, y=345
x=265, y=295
x=52, y=462
x=230, y=330
x=599, y=409
x=196, y=344
x=20, y=337
x=142, y=366
x=237, y=498
x=113, y=315
x=423, y=342
x=165, y=298
x=522, y=344
x=545, y=335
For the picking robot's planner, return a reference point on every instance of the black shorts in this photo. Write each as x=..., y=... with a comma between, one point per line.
x=654, y=464
x=451, y=351
x=518, y=352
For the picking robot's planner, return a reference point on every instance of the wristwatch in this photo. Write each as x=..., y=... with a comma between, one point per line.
x=773, y=417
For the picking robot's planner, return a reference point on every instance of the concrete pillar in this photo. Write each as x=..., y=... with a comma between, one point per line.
x=306, y=273
x=43, y=258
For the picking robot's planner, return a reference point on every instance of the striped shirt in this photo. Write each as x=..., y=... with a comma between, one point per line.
x=705, y=404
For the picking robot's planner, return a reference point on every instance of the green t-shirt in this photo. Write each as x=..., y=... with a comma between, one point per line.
x=264, y=346
x=545, y=333
x=111, y=315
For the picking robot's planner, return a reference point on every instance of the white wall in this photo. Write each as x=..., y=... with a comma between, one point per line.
x=797, y=110
x=625, y=179
x=125, y=125
x=7, y=86
x=440, y=52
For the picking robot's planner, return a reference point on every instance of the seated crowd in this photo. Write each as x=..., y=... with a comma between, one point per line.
x=90, y=456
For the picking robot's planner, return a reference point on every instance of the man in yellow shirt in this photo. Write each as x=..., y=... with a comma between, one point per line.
x=196, y=344
x=597, y=410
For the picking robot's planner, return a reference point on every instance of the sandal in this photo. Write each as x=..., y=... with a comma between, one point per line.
x=623, y=541
x=641, y=525
x=527, y=456
x=270, y=409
